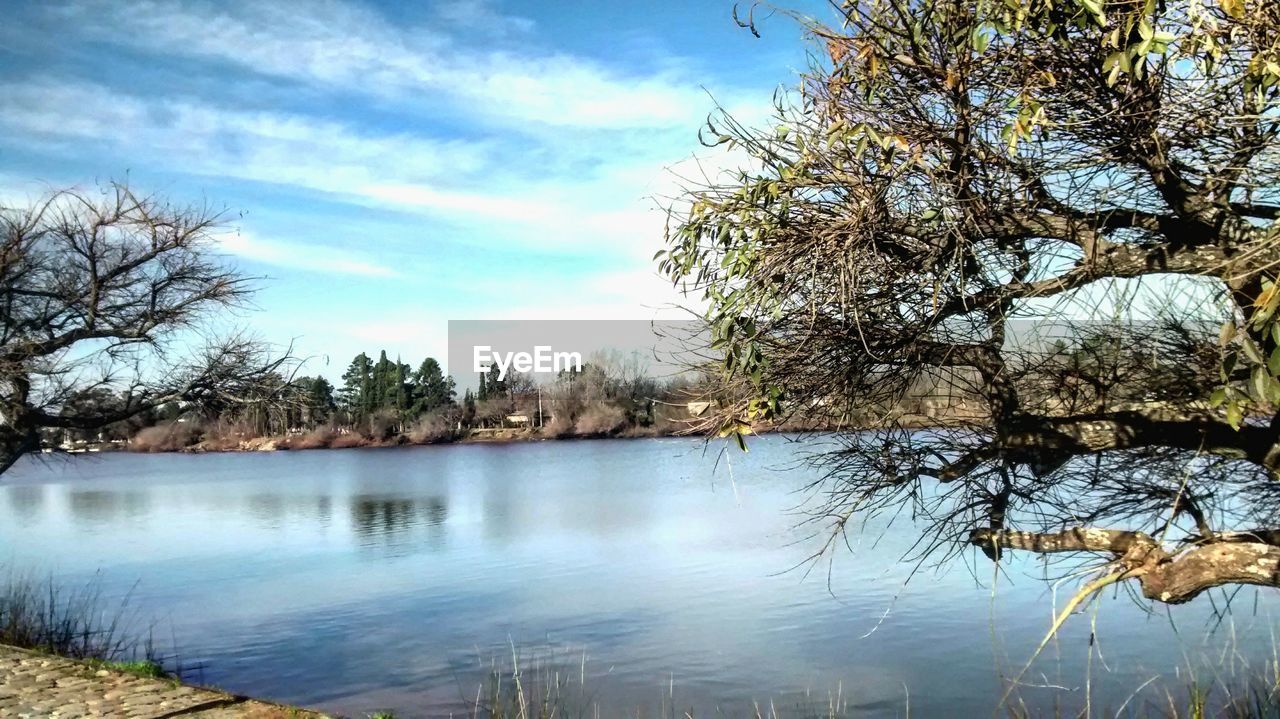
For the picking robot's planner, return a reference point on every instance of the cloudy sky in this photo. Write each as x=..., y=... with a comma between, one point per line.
x=390, y=167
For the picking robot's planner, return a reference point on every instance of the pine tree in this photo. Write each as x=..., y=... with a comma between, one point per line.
x=400, y=390
x=431, y=388
x=318, y=398
x=497, y=388
x=468, y=408
x=384, y=380
x=357, y=382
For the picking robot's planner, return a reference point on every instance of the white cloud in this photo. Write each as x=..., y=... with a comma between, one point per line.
x=194, y=137
x=481, y=16
x=343, y=45
x=300, y=256
x=609, y=207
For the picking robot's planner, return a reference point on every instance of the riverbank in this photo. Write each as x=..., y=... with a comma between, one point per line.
x=332, y=439
x=33, y=684
x=181, y=439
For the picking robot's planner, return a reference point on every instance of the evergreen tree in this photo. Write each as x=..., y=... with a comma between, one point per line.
x=431, y=389
x=400, y=390
x=468, y=408
x=318, y=398
x=496, y=387
x=357, y=383
x=384, y=379
x=482, y=393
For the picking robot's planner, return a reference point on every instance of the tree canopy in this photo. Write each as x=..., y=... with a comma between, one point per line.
x=106, y=302
x=957, y=183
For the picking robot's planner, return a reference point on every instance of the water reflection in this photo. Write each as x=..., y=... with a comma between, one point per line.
x=26, y=502
x=394, y=522
x=273, y=510
x=106, y=506
x=361, y=579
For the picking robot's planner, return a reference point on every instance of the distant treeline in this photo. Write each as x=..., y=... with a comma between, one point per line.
x=390, y=402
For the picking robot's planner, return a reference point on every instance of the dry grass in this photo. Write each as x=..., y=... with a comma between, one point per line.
x=318, y=438
x=348, y=440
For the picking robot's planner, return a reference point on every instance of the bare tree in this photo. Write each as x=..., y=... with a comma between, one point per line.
x=117, y=292
x=952, y=170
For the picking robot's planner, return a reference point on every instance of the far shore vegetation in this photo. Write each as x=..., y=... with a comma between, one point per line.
x=386, y=402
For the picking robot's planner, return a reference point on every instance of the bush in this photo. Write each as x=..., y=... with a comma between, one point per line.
x=383, y=425
x=561, y=425
x=220, y=436
x=601, y=419
x=169, y=437
x=317, y=438
x=433, y=428
x=350, y=439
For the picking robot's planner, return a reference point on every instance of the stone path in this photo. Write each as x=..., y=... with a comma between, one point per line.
x=37, y=685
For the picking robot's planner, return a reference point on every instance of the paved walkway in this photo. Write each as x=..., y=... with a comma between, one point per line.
x=37, y=686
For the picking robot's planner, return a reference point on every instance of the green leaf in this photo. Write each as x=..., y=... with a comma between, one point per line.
x=1273, y=362
x=1260, y=384
x=980, y=40
x=1234, y=415
x=1252, y=352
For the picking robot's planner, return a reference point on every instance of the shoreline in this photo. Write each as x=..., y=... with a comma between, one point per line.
x=307, y=441
x=290, y=443
x=45, y=684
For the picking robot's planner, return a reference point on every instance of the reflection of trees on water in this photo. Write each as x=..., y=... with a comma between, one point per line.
x=396, y=521
x=109, y=505
x=26, y=502
x=273, y=509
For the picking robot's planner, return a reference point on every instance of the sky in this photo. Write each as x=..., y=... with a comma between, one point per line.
x=386, y=168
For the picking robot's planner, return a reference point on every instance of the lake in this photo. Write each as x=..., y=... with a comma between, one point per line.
x=665, y=572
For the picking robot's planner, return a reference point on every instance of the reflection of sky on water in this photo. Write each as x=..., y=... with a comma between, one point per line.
x=360, y=579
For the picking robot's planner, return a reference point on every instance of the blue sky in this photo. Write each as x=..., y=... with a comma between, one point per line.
x=389, y=167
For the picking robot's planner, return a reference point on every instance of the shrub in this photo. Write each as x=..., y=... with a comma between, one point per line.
x=433, y=428
x=317, y=438
x=220, y=436
x=601, y=419
x=169, y=437
x=383, y=425
x=350, y=439
x=561, y=425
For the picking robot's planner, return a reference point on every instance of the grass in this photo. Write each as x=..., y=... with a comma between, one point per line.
x=146, y=668
x=548, y=686
x=543, y=686
x=76, y=622
x=1251, y=697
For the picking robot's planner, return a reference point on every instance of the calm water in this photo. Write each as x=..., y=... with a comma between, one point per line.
x=355, y=580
